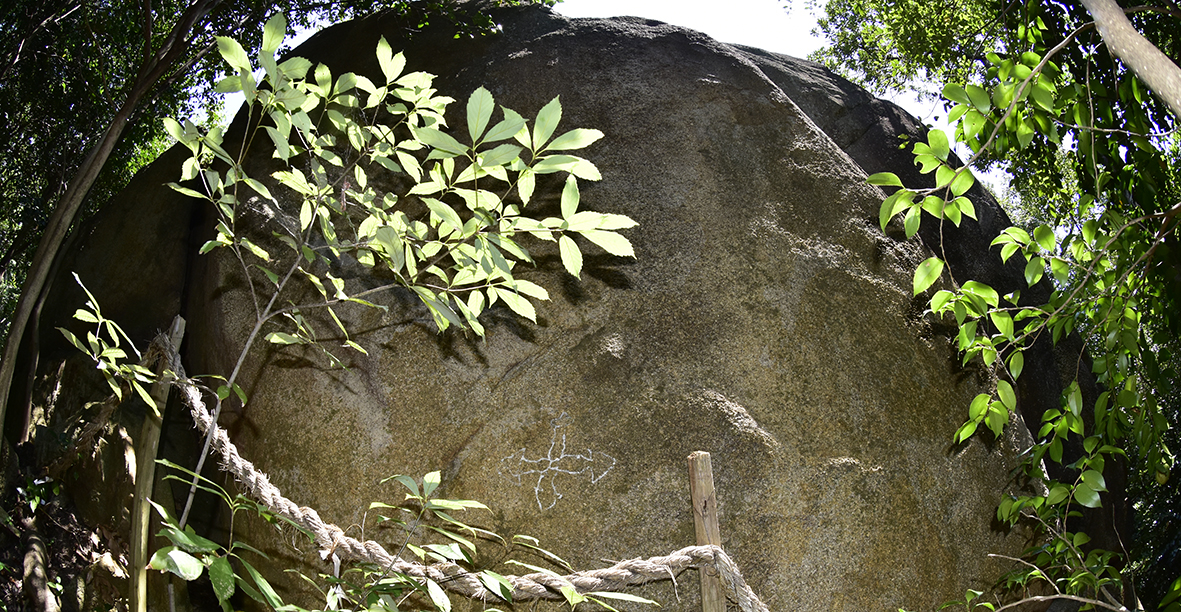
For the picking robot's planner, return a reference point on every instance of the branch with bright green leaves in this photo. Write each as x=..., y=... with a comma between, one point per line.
x=1097, y=265
x=453, y=236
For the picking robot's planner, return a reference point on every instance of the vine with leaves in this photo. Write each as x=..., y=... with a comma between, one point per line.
x=1104, y=268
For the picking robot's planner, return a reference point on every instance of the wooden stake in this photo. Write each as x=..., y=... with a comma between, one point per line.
x=145, y=477
x=705, y=522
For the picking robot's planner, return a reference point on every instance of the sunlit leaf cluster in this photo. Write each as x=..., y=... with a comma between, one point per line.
x=453, y=236
x=1099, y=268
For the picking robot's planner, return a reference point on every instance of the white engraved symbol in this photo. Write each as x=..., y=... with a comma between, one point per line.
x=517, y=467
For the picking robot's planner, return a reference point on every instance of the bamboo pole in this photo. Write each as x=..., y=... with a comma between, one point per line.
x=145, y=477
x=705, y=522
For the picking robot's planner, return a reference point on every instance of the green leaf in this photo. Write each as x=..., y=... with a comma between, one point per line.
x=507, y=128
x=258, y=188
x=951, y=211
x=407, y=482
x=1008, y=397
x=497, y=584
x=611, y=221
x=955, y=93
x=623, y=597
x=979, y=98
x=937, y=140
x=1074, y=398
x=1003, y=322
x=264, y=587
x=547, y=120
x=896, y=203
x=1035, y=268
x=943, y=176
x=1042, y=96
x=1057, y=494
x=574, y=139
x=1086, y=496
x=996, y=418
x=965, y=431
x=1060, y=269
x=984, y=292
x=430, y=482
x=188, y=540
x=571, y=256
x=526, y=183
x=530, y=289
x=234, y=54
x=518, y=304
x=479, y=112
x=973, y=123
x=188, y=192
x=1094, y=479
x=85, y=316
x=577, y=166
x=962, y=182
x=611, y=242
x=143, y=395
x=570, y=197
x=885, y=179
x=1025, y=133
x=230, y=84
x=240, y=393
x=273, y=33
x=221, y=574
x=1045, y=237
x=979, y=406
x=445, y=213
x=927, y=273
x=1016, y=364
x=940, y=299
x=958, y=111
x=912, y=220
x=283, y=338
x=391, y=65
x=573, y=597
x=500, y=155
x=439, y=140
x=179, y=562
x=438, y=596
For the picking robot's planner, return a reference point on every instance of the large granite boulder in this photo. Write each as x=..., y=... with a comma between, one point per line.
x=765, y=319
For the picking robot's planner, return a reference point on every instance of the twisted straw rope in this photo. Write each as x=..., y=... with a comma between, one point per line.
x=332, y=540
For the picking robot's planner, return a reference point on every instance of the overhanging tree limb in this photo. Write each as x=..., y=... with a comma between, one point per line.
x=1161, y=75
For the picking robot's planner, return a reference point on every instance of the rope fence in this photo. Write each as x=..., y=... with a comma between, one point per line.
x=332, y=540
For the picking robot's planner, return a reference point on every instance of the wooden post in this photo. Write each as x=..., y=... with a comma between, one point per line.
x=705, y=522
x=145, y=477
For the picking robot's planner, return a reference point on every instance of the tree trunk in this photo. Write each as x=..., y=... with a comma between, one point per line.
x=1157, y=71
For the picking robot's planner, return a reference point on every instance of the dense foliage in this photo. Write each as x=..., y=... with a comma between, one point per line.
x=1034, y=88
x=67, y=66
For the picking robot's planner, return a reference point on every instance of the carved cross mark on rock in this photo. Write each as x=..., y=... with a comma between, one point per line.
x=518, y=467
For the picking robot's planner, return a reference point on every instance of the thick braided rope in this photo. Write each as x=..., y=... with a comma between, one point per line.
x=450, y=576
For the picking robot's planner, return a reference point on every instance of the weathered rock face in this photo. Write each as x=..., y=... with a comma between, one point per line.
x=766, y=319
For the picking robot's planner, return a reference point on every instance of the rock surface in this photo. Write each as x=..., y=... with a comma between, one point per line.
x=766, y=319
